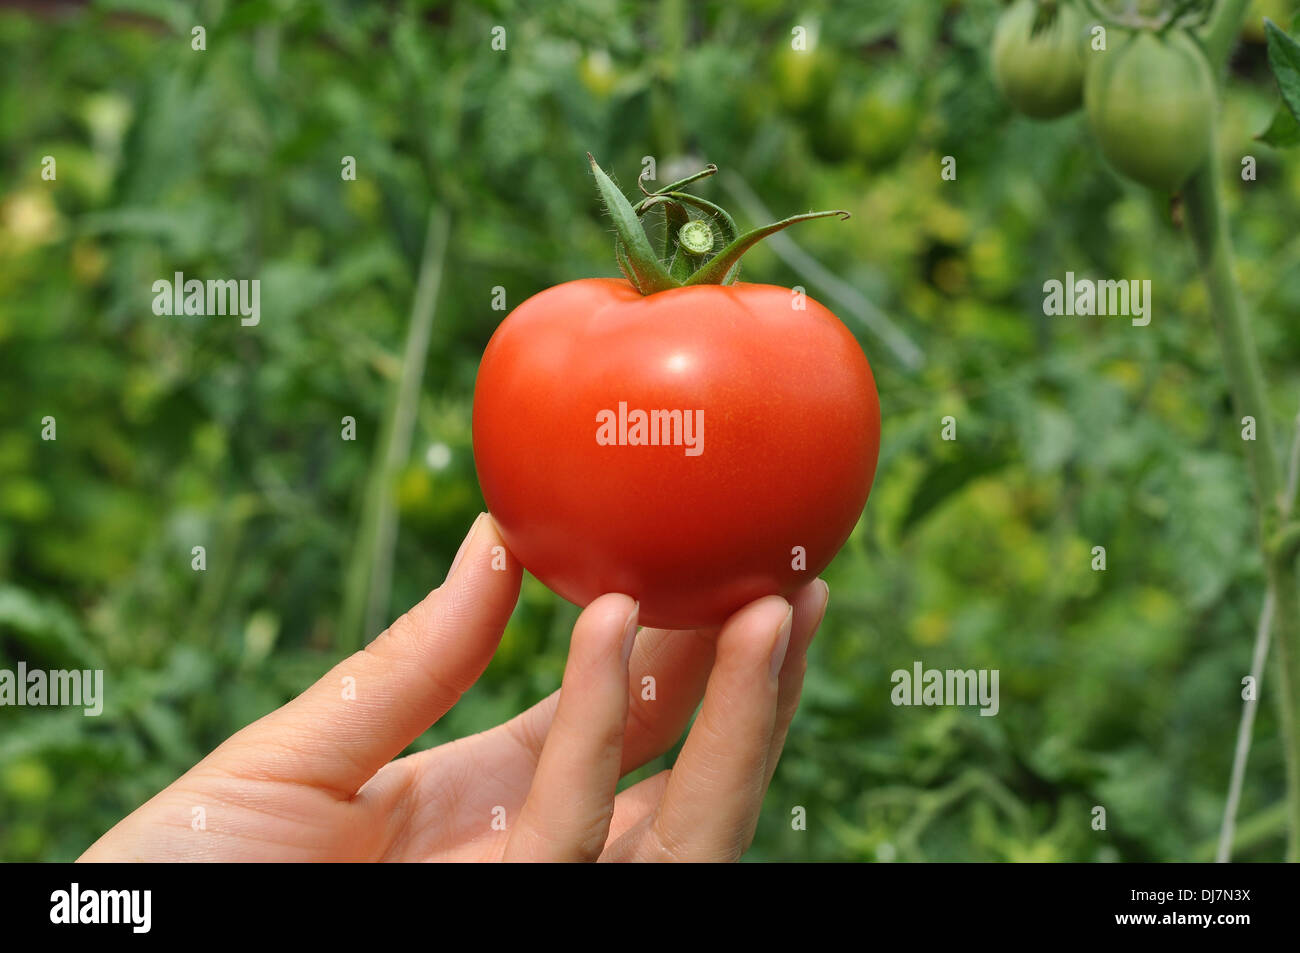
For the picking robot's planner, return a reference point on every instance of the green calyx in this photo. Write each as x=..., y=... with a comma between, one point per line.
x=687, y=256
x=1159, y=16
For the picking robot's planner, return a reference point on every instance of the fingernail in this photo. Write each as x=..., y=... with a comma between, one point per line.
x=821, y=612
x=782, y=643
x=460, y=553
x=629, y=632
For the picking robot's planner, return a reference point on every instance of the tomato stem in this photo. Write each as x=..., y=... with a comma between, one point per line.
x=696, y=237
x=1221, y=30
x=686, y=257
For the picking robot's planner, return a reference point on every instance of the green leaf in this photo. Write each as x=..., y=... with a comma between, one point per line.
x=1283, y=131
x=46, y=626
x=944, y=480
x=1284, y=59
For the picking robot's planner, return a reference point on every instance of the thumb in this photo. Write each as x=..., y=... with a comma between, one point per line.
x=370, y=706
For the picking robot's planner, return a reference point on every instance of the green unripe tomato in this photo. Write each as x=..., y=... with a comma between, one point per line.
x=871, y=114
x=1038, y=58
x=1150, y=103
x=884, y=120
x=803, y=79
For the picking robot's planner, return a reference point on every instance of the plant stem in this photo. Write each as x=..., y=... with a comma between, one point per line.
x=1221, y=31
x=1209, y=233
x=1245, y=729
x=1253, y=831
x=371, y=569
x=1227, y=833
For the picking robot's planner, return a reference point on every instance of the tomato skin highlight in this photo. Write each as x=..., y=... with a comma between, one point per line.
x=791, y=434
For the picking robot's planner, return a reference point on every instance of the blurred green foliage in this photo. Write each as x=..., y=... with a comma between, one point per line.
x=1118, y=688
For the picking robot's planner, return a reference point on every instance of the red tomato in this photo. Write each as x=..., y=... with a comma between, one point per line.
x=710, y=518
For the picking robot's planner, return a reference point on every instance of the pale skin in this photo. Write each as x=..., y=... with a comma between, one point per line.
x=320, y=779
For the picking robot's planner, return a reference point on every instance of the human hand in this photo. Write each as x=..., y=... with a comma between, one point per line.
x=316, y=780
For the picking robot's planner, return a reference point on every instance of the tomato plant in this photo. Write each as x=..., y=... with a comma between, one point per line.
x=687, y=439
x=1150, y=102
x=1038, y=58
x=1151, y=97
